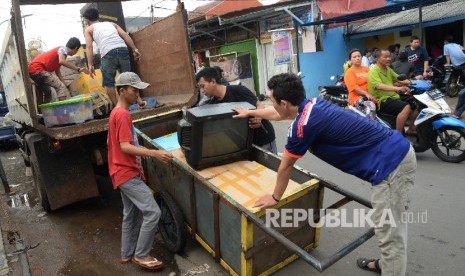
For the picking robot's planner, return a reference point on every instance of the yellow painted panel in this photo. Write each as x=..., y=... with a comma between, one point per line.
x=84, y=84
x=246, y=244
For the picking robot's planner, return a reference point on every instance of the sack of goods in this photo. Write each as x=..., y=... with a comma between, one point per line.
x=101, y=105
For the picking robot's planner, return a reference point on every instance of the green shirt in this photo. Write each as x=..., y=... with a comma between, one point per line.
x=375, y=77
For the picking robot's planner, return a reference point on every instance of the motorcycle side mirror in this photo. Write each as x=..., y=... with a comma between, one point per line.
x=402, y=77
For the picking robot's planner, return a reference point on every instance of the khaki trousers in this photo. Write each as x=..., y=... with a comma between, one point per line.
x=392, y=197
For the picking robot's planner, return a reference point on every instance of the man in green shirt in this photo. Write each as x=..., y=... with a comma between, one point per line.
x=384, y=86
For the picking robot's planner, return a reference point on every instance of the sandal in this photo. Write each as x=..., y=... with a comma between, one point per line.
x=154, y=264
x=363, y=264
x=143, y=105
x=124, y=260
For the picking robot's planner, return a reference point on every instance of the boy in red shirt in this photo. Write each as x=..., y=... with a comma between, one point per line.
x=126, y=174
x=41, y=69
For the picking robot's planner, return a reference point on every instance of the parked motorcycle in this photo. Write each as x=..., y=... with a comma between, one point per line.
x=454, y=79
x=438, y=72
x=336, y=94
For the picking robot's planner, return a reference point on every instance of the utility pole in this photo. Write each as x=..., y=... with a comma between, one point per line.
x=152, y=17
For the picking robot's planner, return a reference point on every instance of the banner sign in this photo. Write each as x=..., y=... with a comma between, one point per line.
x=282, y=47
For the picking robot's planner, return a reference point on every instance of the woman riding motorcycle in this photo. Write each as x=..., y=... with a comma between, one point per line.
x=356, y=78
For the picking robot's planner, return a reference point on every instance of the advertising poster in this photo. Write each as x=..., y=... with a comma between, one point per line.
x=237, y=68
x=282, y=47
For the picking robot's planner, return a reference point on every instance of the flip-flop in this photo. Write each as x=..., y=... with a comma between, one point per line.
x=124, y=261
x=143, y=105
x=154, y=264
x=363, y=264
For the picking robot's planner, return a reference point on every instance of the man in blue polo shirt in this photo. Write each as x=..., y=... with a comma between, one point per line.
x=354, y=145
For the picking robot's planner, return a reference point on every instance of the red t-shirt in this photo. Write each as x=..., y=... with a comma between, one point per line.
x=122, y=166
x=48, y=61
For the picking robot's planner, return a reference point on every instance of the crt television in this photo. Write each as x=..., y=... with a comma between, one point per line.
x=209, y=136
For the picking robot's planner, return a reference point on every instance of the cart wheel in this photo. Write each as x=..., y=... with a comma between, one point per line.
x=171, y=224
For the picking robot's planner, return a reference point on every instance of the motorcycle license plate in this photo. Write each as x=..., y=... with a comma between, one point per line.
x=435, y=94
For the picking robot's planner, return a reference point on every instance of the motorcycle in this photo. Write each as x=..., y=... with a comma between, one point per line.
x=437, y=129
x=454, y=79
x=336, y=94
x=367, y=109
x=438, y=73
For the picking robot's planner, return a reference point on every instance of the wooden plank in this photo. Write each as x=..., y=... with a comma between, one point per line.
x=245, y=181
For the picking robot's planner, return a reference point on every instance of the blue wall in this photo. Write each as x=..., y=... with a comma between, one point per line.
x=317, y=68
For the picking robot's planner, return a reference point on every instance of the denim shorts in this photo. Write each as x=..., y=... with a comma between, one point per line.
x=116, y=59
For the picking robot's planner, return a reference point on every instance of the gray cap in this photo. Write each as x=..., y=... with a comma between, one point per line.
x=131, y=79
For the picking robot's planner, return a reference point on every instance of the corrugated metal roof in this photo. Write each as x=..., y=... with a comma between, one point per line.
x=435, y=12
x=200, y=11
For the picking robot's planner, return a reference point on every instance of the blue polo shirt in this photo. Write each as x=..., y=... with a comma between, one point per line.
x=345, y=140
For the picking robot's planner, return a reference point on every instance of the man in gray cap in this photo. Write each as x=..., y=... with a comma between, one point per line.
x=126, y=174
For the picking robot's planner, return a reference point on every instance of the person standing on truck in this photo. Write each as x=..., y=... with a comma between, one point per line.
x=354, y=145
x=112, y=42
x=126, y=174
x=209, y=81
x=42, y=67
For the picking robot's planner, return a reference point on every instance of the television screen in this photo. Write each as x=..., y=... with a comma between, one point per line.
x=224, y=136
x=209, y=136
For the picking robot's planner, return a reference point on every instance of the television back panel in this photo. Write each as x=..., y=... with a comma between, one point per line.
x=225, y=109
x=210, y=136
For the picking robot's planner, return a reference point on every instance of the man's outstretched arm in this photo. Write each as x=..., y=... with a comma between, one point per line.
x=265, y=113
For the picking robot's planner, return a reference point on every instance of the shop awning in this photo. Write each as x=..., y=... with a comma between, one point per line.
x=390, y=9
x=440, y=13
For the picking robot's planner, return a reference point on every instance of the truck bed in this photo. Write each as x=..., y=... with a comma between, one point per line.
x=166, y=64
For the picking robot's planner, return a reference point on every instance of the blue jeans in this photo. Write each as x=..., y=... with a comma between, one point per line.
x=116, y=59
x=140, y=218
x=460, y=108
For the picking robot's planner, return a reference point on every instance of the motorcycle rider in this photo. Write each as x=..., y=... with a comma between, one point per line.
x=402, y=66
x=356, y=78
x=384, y=86
x=453, y=51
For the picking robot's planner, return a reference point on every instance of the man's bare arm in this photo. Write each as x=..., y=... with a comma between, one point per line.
x=265, y=113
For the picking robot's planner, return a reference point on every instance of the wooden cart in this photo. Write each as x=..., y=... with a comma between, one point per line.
x=216, y=206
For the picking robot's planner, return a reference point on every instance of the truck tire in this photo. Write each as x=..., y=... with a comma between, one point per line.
x=171, y=225
x=39, y=184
